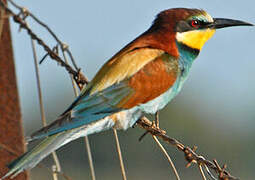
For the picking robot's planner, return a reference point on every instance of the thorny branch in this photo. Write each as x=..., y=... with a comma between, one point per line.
x=190, y=155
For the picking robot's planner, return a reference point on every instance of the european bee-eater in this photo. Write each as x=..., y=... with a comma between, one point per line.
x=141, y=78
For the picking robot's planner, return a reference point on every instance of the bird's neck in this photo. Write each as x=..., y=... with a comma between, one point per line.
x=186, y=57
x=186, y=53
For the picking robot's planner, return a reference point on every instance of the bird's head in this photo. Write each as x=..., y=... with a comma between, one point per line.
x=190, y=27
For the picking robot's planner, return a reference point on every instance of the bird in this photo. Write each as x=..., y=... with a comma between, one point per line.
x=142, y=78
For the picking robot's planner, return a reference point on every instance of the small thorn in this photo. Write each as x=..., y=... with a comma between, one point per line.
x=189, y=164
x=194, y=148
x=142, y=136
x=43, y=58
x=64, y=46
x=134, y=125
x=55, y=49
x=25, y=11
x=146, y=132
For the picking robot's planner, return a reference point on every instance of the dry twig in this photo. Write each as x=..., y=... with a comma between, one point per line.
x=202, y=172
x=86, y=139
x=43, y=118
x=167, y=156
x=53, y=170
x=123, y=172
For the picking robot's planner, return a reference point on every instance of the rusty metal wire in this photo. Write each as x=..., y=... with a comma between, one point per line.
x=64, y=46
x=190, y=155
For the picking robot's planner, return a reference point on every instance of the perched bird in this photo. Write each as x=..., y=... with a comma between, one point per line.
x=141, y=78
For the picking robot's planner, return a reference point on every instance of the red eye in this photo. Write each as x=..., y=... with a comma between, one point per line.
x=195, y=23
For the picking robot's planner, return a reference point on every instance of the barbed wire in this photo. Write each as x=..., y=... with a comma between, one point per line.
x=79, y=78
x=189, y=153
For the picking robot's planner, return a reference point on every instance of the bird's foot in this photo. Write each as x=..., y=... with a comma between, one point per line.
x=154, y=129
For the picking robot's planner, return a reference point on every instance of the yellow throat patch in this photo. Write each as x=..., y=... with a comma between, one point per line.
x=196, y=38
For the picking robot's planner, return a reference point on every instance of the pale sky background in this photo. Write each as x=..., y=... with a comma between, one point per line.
x=220, y=89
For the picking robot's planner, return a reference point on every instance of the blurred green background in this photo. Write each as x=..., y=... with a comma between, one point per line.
x=214, y=111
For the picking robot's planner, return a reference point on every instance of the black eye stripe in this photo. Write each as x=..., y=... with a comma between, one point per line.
x=184, y=26
x=198, y=23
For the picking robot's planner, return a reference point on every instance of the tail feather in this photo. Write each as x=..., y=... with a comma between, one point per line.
x=87, y=110
x=62, y=119
x=32, y=157
x=15, y=161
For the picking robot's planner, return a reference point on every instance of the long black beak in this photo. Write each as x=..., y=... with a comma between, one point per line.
x=222, y=23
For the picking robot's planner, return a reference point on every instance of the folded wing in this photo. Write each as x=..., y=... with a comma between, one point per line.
x=122, y=83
